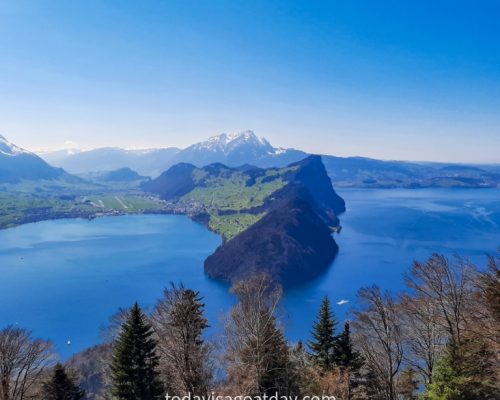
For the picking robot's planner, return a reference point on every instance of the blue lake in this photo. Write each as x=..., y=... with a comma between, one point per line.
x=63, y=279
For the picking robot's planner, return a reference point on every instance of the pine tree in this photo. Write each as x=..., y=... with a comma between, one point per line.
x=344, y=354
x=61, y=387
x=324, y=341
x=276, y=377
x=134, y=363
x=348, y=360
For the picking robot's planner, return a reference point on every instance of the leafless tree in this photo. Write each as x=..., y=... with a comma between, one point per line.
x=449, y=287
x=22, y=363
x=379, y=338
x=484, y=321
x=486, y=307
x=185, y=358
x=425, y=339
x=461, y=302
x=91, y=367
x=110, y=332
x=257, y=353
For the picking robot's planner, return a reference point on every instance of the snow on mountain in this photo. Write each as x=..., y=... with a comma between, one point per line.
x=237, y=149
x=17, y=164
x=226, y=143
x=233, y=149
x=9, y=149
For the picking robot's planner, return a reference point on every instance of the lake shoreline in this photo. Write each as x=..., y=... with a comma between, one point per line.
x=66, y=277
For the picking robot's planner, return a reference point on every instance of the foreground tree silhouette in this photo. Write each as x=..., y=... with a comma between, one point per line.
x=61, y=387
x=324, y=341
x=134, y=364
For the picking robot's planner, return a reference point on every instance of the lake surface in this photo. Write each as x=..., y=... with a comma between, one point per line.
x=384, y=231
x=63, y=279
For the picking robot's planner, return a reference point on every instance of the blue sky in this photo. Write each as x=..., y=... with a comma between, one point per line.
x=413, y=80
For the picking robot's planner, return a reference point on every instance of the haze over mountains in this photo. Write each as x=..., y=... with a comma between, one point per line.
x=229, y=149
x=237, y=150
x=151, y=162
x=247, y=148
x=17, y=164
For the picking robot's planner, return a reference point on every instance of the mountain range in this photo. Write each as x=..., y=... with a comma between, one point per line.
x=151, y=162
x=229, y=149
x=246, y=148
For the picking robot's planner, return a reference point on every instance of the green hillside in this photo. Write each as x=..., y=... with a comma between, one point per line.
x=229, y=196
x=228, y=200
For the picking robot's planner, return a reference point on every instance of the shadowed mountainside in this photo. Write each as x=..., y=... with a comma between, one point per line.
x=17, y=164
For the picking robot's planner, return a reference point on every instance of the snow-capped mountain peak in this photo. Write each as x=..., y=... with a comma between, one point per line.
x=237, y=149
x=9, y=149
x=231, y=149
x=249, y=137
x=228, y=142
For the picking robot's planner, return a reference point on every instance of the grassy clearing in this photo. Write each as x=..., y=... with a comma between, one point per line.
x=21, y=207
x=235, y=191
x=230, y=225
x=232, y=193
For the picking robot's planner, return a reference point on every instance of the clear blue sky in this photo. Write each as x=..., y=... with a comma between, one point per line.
x=417, y=80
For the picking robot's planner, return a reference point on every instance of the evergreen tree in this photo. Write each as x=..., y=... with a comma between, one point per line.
x=348, y=360
x=344, y=354
x=446, y=381
x=324, y=341
x=61, y=387
x=463, y=373
x=134, y=363
x=277, y=377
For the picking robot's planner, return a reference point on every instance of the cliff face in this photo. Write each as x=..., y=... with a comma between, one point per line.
x=278, y=220
x=312, y=174
x=311, y=178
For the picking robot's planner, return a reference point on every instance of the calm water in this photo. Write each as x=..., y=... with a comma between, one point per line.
x=64, y=279
x=384, y=231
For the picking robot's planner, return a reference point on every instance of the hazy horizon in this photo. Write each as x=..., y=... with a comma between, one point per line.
x=69, y=147
x=388, y=81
